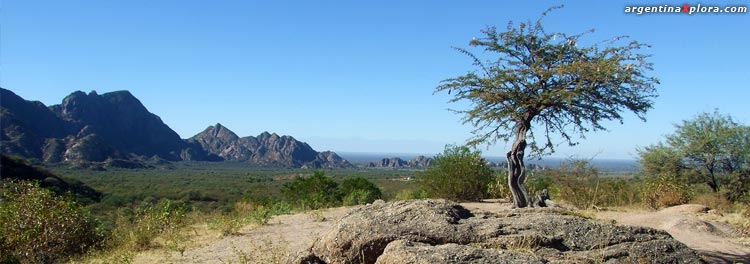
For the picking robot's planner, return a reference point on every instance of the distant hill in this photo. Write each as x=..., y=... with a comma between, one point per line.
x=418, y=162
x=18, y=169
x=116, y=129
x=265, y=150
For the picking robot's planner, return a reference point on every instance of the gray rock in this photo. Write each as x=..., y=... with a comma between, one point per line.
x=404, y=251
x=420, y=162
x=395, y=162
x=438, y=231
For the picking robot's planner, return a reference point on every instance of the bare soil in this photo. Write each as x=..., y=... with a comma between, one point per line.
x=691, y=225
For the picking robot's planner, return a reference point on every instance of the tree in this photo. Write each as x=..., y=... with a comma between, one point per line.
x=547, y=80
x=711, y=148
x=458, y=174
x=316, y=191
x=661, y=159
x=359, y=190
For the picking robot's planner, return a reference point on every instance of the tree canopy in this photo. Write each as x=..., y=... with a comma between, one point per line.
x=711, y=148
x=528, y=77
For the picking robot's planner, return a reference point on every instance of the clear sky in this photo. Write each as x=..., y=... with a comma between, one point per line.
x=354, y=76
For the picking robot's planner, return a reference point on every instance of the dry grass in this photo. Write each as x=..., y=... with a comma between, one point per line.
x=266, y=250
x=244, y=213
x=317, y=215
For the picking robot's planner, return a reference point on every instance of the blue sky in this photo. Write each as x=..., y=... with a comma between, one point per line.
x=354, y=76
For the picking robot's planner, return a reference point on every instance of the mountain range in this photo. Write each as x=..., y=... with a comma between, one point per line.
x=117, y=126
x=418, y=162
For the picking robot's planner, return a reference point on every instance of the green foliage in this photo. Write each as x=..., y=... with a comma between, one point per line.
x=316, y=191
x=537, y=182
x=244, y=213
x=658, y=159
x=408, y=194
x=19, y=169
x=664, y=190
x=359, y=196
x=207, y=186
x=500, y=188
x=359, y=190
x=711, y=148
x=575, y=181
x=533, y=77
x=708, y=143
x=579, y=184
x=136, y=228
x=458, y=174
x=38, y=227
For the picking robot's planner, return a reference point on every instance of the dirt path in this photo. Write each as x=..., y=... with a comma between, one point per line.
x=688, y=223
x=287, y=234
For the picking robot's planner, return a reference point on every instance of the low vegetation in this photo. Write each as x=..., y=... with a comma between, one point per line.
x=458, y=174
x=138, y=209
x=39, y=227
x=319, y=191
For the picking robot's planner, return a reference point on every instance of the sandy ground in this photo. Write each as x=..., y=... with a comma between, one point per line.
x=286, y=234
x=282, y=236
x=689, y=224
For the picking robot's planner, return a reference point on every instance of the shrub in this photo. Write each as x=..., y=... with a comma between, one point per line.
x=242, y=214
x=745, y=225
x=408, y=194
x=536, y=182
x=38, y=227
x=359, y=196
x=713, y=200
x=500, y=188
x=137, y=228
x=359, y=191
x=617, y=191
x=578, y=182
x=458, y=174
x=316, y=191
x=665, y=190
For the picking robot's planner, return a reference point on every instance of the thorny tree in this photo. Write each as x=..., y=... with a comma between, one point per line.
x=547, y=80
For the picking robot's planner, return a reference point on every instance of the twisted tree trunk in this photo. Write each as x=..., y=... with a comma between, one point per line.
x=517, y=169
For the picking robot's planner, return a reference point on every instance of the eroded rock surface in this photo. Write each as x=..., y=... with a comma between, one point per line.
x=439, y=231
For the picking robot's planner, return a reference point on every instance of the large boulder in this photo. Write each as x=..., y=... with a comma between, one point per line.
x=439, y=231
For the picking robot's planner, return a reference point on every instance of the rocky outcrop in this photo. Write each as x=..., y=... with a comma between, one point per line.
x=395, y=162
x=438, y=231
x=267, y=149
x=388, y=163
x=420, y=162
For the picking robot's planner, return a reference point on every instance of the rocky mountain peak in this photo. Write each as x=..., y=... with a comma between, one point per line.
x=89, y=127
x=116, y=125
x=267, y=149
